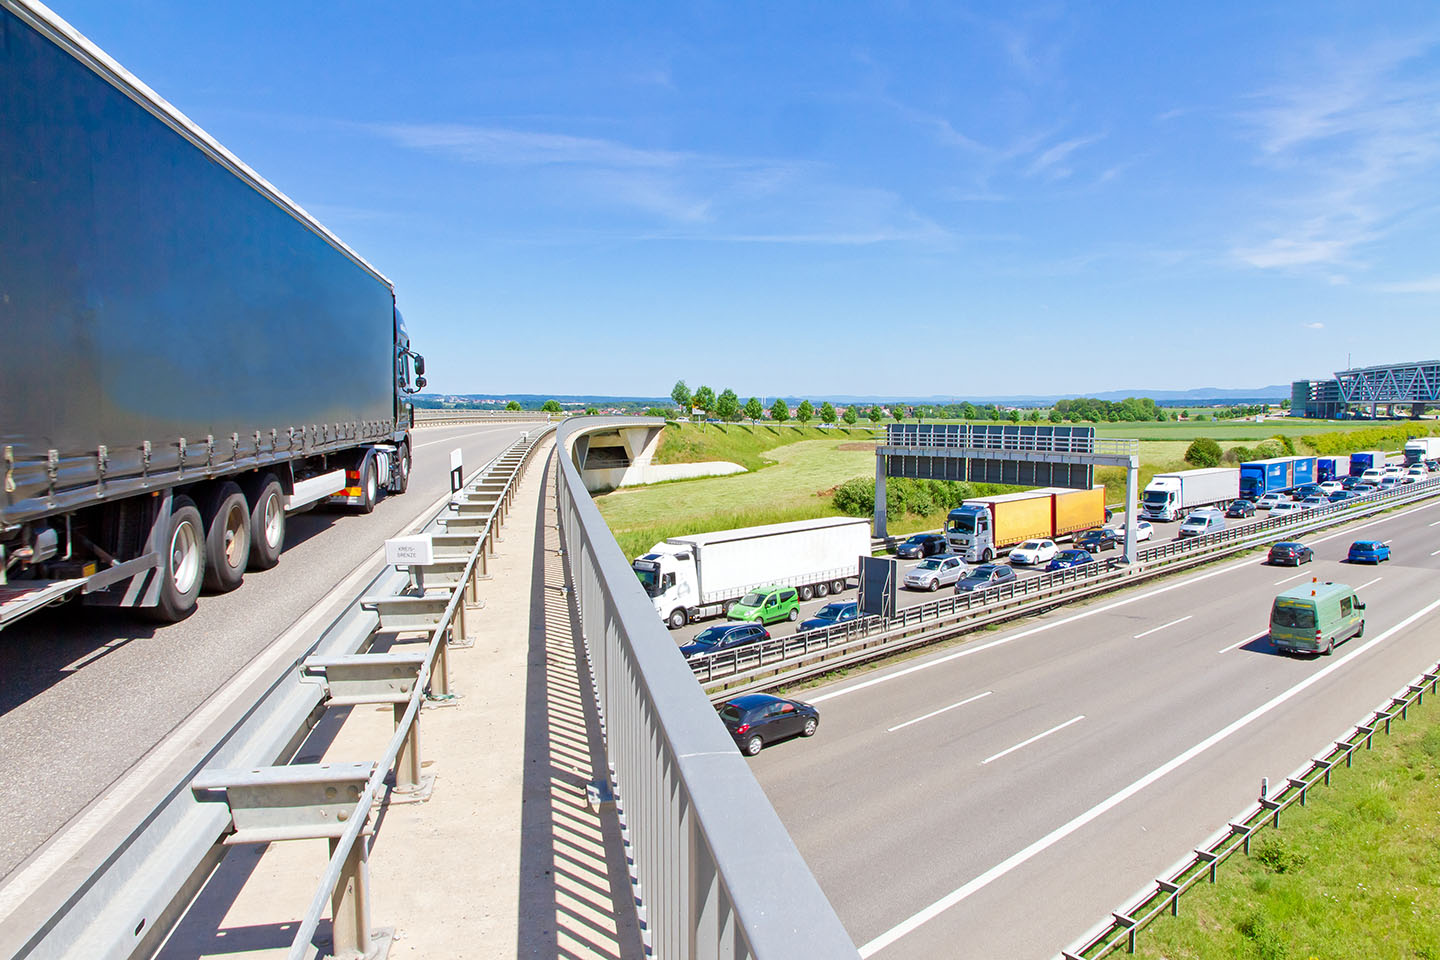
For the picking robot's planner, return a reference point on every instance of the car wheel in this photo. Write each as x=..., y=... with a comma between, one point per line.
x=1361, y=632
x=934, y=585
x=1329, y=648
x=753, y=746
x=794, y=614
x=811, y=725
x=677, y=619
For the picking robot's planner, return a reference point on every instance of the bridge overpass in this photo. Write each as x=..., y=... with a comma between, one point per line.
x=1000, y=795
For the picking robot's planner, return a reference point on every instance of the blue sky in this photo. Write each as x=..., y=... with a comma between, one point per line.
x=889, y=199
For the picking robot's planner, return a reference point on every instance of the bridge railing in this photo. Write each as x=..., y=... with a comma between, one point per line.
x=715, y=872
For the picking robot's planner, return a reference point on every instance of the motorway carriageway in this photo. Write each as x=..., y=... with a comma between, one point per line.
x=999, y=798
x=87, y=692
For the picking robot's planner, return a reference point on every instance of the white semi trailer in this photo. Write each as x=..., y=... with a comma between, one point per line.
x=1170, y=496
x=699, y=576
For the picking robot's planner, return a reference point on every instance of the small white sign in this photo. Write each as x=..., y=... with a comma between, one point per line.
x=410, y=551
x=455, y=461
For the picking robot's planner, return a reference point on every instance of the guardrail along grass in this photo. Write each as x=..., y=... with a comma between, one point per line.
x=1354, y=873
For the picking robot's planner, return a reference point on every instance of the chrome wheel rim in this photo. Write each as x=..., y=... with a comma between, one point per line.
x=236, y=546
x=185, y=557
x=274, y=524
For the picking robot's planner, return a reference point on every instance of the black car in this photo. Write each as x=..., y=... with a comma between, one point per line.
x=1240, y=508
x=1291, y=553
x=984, y=576
x=1350, y=483
x=1093, y=541
x=830, y=614
x=758, y=718
x=922, y=545
x=1307, y=491
x=723, y=637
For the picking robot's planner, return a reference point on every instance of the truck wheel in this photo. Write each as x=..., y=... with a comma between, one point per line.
x=725, y=608
x=227, y=537
x=400, y=472
x=822, y=589
x=369, y=485
x=677, y=619
x=837, y=586
x=182, y=565
x=806, y=592
x=987, y=556
x=267, y=524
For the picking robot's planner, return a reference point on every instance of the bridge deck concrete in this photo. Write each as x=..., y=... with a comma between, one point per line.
x=504, y=859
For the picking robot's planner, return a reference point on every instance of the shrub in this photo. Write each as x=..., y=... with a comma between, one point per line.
x=1273, y=853
x=1203, y=452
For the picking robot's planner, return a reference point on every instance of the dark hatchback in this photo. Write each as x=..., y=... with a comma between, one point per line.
x=1350, y=483
x=829, y=615
x=758, y=718
x=1306, y=490
x=1240, y=509
x=1290, y=553
x=1368, y=551
x=1093, y=541
x=724, y=637
x=922, y=545
x=1066, y=559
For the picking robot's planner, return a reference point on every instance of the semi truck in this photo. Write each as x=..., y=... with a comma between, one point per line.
x=694, y=577
x=1170, y=496
x=981, y=529
x=1275, y=475
x=1332, y=468
x=1422, y=450
x=190, y=355
x=1365, y=460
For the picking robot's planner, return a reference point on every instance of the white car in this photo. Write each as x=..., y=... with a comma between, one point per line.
x=1310, y=503
x=1332, y=486
x=936, y=572
x=1271, y=500
x=1284, y=508
x=1033, y=552
x=1393, y=469
x=1416, y=473
x=1143, y=531
x=1372, y=475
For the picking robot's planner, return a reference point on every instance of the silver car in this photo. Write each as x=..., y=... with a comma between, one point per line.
x=936, y=572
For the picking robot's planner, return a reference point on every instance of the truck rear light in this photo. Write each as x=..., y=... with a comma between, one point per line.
x=353, y=475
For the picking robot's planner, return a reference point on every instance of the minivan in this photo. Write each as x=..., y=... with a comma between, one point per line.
x=1313, y=617
x=1202, y=522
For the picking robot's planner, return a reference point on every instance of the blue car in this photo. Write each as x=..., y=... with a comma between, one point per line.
x=723, y=637
x=1368, y=551
x=1066, y=559
x=831, y=614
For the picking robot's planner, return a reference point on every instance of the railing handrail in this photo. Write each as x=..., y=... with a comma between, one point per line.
x=717, y=874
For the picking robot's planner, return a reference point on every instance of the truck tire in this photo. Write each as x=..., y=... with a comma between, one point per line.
x=227, y=537
x=837, y=586
x=806, y=592
x=267, y=523
x=822, y=589
x=182, y=564
x=401, y=469
x=987, y=556
x=369, y=485
x=677, y=618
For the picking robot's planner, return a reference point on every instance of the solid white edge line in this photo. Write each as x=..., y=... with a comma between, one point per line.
x=66, y=842
x=936, y=713
x=969, y=650
x=1242, y=643
x=1433, y=554
x=1364, y=585
x=1141, y=636
x=473, y=430
x=1038, y=736
x=917, y=920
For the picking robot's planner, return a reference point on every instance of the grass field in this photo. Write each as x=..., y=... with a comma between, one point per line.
x=742, y=443
x=1354, y=873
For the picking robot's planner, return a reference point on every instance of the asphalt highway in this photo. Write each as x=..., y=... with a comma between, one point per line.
x=1000, y=797
x=85, y=692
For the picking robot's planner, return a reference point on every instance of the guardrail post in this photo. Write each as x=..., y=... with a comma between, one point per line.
x=408, y=778
x=1174, y=890
x=350, y=905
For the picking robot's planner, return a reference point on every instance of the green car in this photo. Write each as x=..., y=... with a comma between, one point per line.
x=767, y=605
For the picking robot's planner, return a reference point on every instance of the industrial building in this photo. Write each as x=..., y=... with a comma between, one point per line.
x=1387, y=390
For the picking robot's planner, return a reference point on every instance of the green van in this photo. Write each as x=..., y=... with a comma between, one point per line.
x=1313, y=617
x=766, y=605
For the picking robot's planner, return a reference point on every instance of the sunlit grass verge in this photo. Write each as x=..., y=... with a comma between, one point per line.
x=1354, y=873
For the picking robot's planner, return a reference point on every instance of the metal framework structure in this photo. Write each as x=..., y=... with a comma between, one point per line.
x=1392, y=384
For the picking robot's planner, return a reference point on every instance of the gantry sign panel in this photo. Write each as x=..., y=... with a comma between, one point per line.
x=1027, y=456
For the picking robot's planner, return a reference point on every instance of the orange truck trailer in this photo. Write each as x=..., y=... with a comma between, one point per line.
x=981, y=529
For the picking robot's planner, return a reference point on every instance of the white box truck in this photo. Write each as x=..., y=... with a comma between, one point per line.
x=1170, y=496
x=1422, y=450
x=702, y=575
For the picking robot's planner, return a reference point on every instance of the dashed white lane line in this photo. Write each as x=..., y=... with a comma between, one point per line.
x=1038, y=736
x=936, y=713
x=1368, y=583
x=919, y=919
x=1162, y=626
x=1242, y=643
x=1288, y=579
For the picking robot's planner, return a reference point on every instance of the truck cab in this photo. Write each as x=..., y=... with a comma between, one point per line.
x=968, y=528
x=1161, y=499
x=670, y=581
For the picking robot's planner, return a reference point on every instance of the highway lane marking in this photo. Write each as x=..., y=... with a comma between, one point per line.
x=460, y=436
x=936, y=713
x=1038, y=736
x=69, y=840
x=1436, y=524
x=1245, y=641
x=1288, y=579
x=1162, y=626
x=1364, y=585
x=970, y=650
x=919, y=919
x=1437, y=551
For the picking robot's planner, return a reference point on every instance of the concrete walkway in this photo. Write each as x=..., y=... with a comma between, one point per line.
x=504, y=859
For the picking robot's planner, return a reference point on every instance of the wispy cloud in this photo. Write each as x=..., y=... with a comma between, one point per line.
x=1423, y=285
x=523, y=147
x=1316, y=325
x=1356, y=136
x=1052, y=163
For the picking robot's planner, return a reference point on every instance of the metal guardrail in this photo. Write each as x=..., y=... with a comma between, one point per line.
x=1121, y=930
x=128, y=905
x=431, y=417
x=786, y=659
x=715, y=873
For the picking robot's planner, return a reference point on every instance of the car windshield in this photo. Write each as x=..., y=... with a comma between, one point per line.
x=1294, y=616
x=915, y=542
x=1073, y=555
x=752, y=600
x=1030, y=545
x=1156, y=496
x=928, y=565
x=732, y=713
x=831, y=611
x=983, y=572
x=1363, y=545
x=961, y=524
x=711, y=634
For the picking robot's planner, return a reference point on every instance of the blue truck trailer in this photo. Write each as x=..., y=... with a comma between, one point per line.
x=1332, y=468
x=1360, y=462
x=1275, y=475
